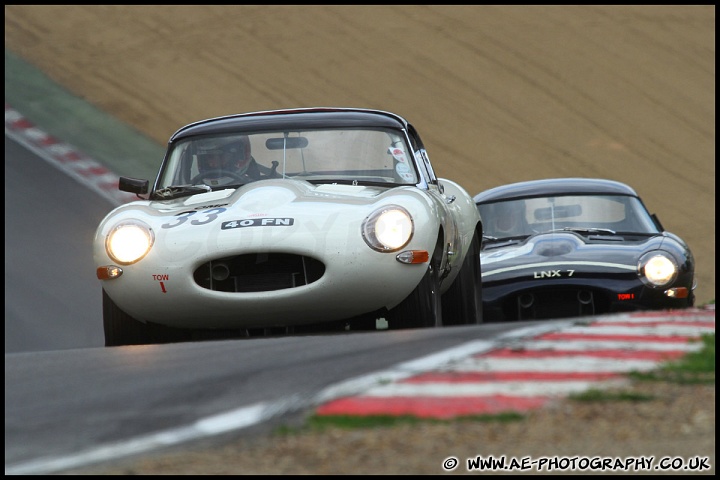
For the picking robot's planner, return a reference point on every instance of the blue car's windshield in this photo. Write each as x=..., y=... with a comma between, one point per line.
x=595, y=214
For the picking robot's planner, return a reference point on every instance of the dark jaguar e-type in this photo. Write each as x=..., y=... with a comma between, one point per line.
x=571, y=247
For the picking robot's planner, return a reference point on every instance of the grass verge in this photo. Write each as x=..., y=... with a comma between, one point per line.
x=321, y=422
x=692, y=369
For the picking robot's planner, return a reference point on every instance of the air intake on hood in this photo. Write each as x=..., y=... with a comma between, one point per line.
x=554, y=248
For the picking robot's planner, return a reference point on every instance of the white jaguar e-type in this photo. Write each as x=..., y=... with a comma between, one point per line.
x=289, y=221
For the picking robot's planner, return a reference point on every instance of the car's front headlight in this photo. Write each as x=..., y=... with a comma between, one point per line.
x=129, y=241
x=657, y=268
x=388, y=229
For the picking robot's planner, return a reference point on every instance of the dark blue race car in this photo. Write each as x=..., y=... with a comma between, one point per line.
x=571, y=247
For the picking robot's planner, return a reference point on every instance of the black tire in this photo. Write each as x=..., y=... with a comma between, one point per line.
x=423, y=307
x=121, y=328
x=462, y=303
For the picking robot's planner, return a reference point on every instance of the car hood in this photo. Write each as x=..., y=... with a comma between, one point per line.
x=565, y=250
x=292, y=216
x=262, y=203
x=263, y=196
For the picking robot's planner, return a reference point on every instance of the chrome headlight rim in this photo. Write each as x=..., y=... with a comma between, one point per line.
x=383, y=241
x=143, y=234
x=662, y=267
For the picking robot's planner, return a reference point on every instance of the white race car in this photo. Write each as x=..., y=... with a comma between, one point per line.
x=289, y=221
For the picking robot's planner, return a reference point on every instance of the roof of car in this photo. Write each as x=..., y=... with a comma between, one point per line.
x=300, y=118
x=554, y=186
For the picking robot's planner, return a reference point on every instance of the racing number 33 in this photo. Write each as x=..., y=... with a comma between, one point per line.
x=210, y=215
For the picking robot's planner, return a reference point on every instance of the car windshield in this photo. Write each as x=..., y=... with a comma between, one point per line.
x=591, y=214
x=352, y=156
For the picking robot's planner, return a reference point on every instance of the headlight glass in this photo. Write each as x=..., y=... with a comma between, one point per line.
x=129, y=241
x=388, y=229
x=658, y=268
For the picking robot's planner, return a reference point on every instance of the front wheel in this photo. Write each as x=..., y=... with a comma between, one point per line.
x=122, y=329
x=462, y=303
x=423, y=307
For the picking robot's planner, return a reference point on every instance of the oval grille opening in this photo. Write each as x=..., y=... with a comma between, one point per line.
x=258, y=272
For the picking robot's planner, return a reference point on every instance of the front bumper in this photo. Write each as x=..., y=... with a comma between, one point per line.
x=528, y=301
x=348, y=286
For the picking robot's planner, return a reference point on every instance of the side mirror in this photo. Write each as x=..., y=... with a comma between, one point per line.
x=134, y=185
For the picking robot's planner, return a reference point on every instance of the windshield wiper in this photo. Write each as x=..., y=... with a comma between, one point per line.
x=605, y=231
x=176, y=191
x=501, y=242
x=639, y=234
x=502, y=239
